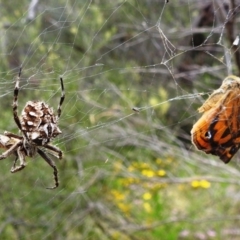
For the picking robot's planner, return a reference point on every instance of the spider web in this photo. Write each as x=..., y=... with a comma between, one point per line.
x=134, y=74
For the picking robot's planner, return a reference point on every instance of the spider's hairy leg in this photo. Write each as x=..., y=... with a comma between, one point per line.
x=52, y=164
x=12, y=135
x=6, y=142
x=15, y=100
x=15, y=103
x=54, y=149
x=22, y=165
x=59, y=110
x=15, y=162
x=11, y=150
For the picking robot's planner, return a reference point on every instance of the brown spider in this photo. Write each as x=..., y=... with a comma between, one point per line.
x=38, y=125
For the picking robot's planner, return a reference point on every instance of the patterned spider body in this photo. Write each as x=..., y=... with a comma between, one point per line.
x=39, y=122
x=38, y=125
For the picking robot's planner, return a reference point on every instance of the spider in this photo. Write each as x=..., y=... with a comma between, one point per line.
x=38, y=126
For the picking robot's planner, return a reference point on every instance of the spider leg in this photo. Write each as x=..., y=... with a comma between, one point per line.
x=22, y=165
x=54, y=149
x=12, y=149
x=59, y=110
x=9, y=134
x=52, y=164
x=15, y=103
x=15, y=162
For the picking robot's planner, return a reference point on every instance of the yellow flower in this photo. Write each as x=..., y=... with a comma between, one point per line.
x=140, y=165
x=195, y=184
x=148, y=173
x=201, y=183
x=205, y=184
x=144, y=165
x=169, y=160
x=124, y=207
x=118, y=196
x=161, y=173
x=147, y=207
x=158, y=186
x=131, y=168
x=147, y=196
x=128, y=181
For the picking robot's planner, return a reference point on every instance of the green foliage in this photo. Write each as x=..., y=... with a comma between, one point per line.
x=125, y=174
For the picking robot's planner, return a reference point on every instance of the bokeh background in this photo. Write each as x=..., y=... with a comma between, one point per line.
x=135, y=73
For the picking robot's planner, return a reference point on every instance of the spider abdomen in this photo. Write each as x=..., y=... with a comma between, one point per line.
x=39, y=122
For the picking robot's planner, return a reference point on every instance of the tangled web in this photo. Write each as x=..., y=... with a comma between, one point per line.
x=134, y=73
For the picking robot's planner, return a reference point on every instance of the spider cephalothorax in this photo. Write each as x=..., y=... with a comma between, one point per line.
x=38, y=125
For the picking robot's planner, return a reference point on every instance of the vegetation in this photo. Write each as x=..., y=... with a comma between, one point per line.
x=126, y=174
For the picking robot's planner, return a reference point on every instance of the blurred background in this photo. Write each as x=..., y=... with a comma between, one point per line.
x=135, y=73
